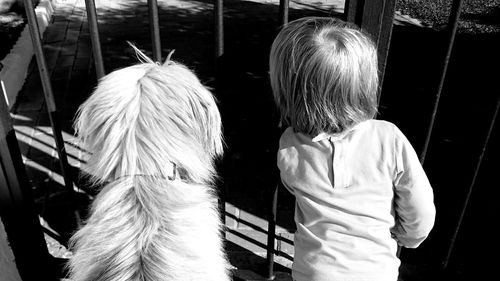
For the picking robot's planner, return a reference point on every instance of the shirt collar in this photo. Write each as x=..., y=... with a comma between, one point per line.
x=336, y=136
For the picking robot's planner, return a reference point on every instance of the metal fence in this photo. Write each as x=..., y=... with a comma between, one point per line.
x=375, y=17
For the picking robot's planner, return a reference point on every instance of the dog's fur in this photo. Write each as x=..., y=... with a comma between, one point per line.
x=153, y=132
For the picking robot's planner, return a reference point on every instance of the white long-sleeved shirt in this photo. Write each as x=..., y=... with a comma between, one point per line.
x=358, y=194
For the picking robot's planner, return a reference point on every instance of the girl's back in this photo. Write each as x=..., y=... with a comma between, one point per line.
x=345, y=186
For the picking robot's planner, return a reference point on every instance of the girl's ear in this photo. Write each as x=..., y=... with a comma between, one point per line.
x=167, y=61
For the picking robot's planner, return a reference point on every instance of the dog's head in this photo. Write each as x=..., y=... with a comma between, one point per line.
x=142, y=118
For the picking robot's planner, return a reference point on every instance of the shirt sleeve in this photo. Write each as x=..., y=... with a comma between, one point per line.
x=287, y=187
x=286, y=155
x=414, y=199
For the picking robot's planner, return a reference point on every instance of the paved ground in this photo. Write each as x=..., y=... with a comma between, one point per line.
x=248, y=173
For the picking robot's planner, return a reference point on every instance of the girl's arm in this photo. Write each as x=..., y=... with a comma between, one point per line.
x=413, y=199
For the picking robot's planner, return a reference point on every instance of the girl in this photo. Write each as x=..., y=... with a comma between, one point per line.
x=360, y=189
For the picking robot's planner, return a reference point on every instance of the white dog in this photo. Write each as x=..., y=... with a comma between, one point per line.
x=153, y=132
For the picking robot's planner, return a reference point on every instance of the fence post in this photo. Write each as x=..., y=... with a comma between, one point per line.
x=154, y=27
x=471, y=186
x=94, y=38
x=219, y=28
x=273, y=207
x=17, y=209
x=219, y=52
x=49, y=96
x=451, y=30
x=283, y=12
x=376, y=17
x=271, y=232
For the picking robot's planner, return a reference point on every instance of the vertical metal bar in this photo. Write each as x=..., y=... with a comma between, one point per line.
x=384, y=40
x=283, y=12
x=17, y=208
x=372, y=13
x=353, y=11
x=347, y=3
x=473, y=182
x=94, y=38
x=154, y=27
x=219, y=28
x=219, y=52
x=271, y=233
x=452, y=30
x=271, y=227
x=49, y=96
x=375, y=18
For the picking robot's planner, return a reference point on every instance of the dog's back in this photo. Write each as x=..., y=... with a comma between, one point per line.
x=153, y=133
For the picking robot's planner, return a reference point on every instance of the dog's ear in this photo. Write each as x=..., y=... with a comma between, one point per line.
x=167, y=61
x=212, y=127
x=140, y=54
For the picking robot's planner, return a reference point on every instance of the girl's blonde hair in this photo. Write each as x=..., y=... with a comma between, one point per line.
x=324, y=75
